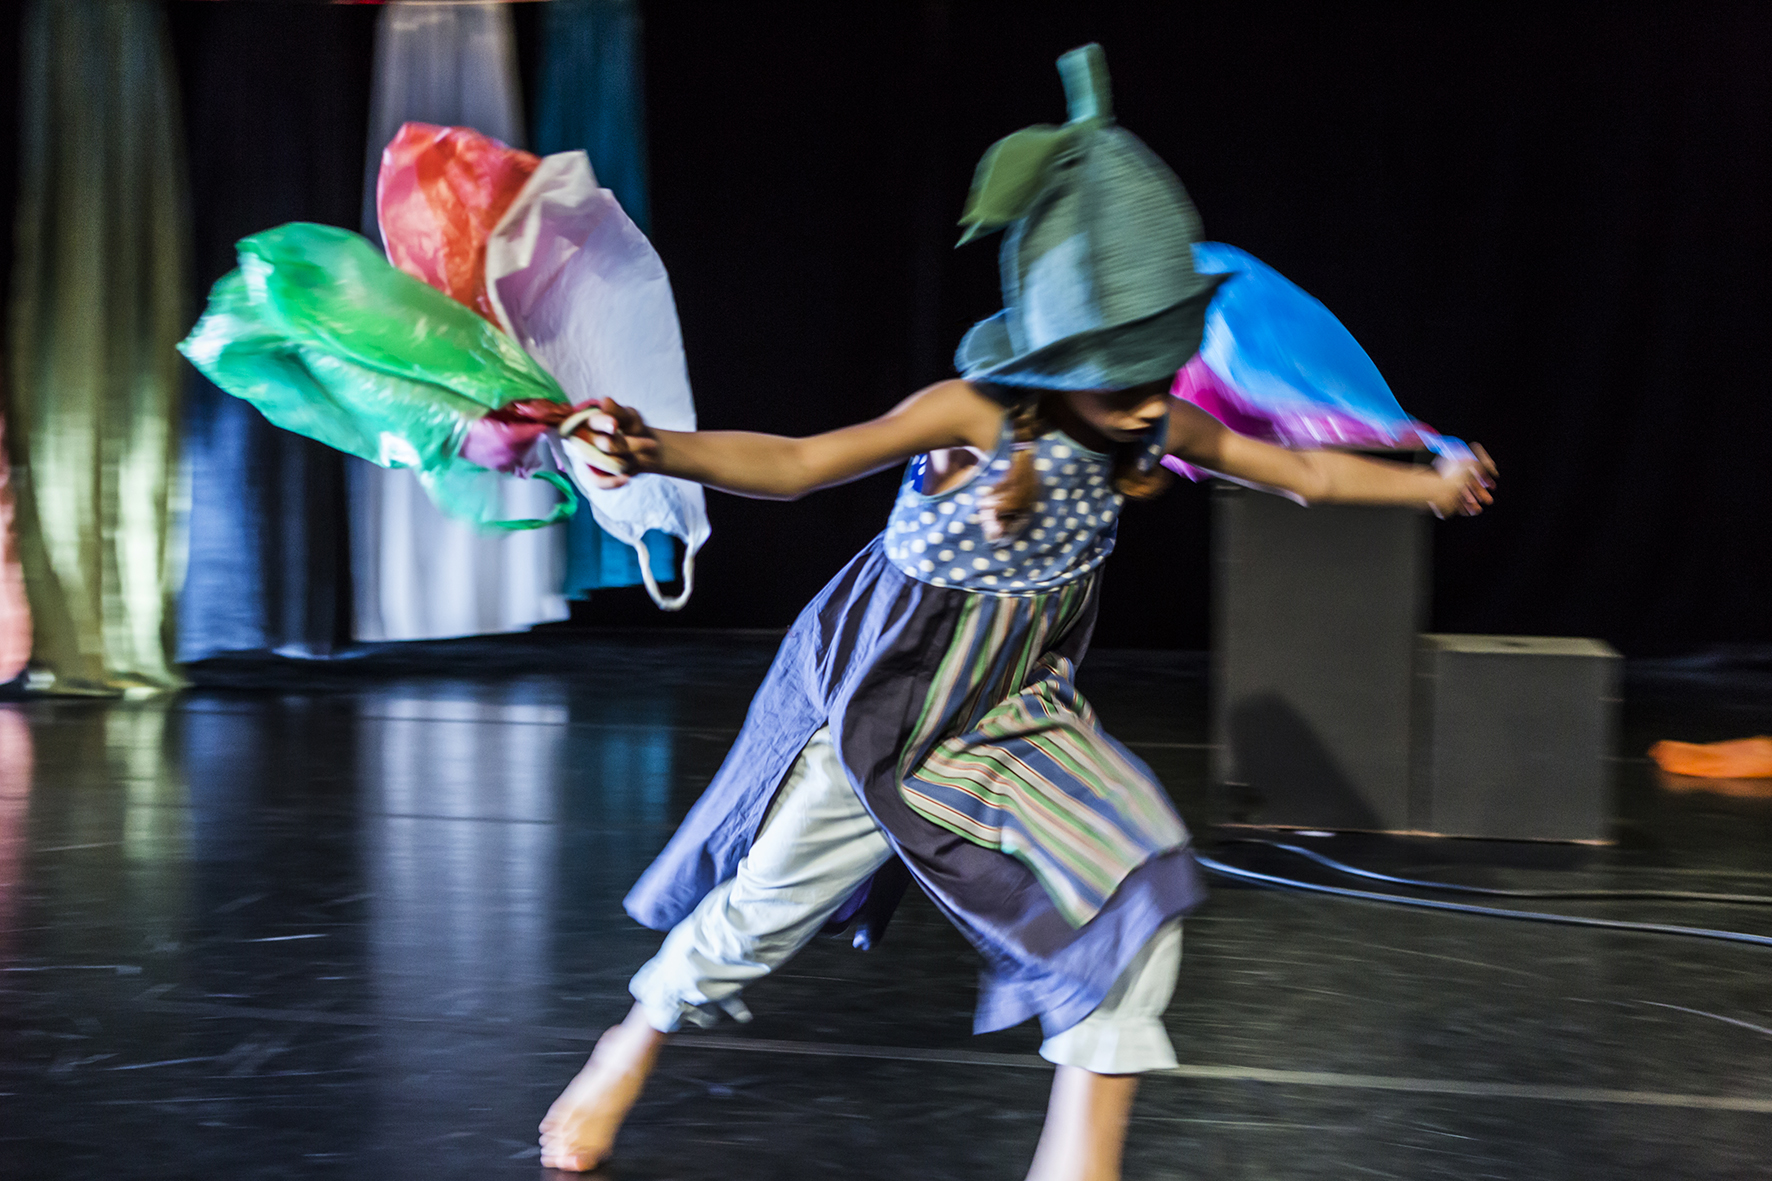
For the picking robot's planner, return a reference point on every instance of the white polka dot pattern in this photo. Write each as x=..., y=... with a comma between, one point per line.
x=1050, y=551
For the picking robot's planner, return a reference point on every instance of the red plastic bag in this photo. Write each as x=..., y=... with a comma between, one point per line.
x=440, y=192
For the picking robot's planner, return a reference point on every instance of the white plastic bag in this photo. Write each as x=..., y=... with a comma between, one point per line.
x=573, y=279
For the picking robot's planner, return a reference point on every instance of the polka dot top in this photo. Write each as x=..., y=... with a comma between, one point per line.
x=939, y=540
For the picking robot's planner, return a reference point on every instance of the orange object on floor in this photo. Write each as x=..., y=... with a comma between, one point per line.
x=1743, y=758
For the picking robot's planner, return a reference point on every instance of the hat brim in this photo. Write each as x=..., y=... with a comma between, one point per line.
x=1114, y=357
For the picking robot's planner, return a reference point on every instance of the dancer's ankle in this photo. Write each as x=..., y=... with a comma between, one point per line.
x=640, y=1040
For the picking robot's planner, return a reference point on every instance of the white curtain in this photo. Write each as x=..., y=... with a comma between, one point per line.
x=416, y=574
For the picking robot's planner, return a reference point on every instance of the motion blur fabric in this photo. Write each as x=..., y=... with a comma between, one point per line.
x=98, y=302
x=1275, y=364
x=590, y=97
x=415, y=573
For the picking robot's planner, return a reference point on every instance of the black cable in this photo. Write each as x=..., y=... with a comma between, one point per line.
x=1531, y=916
x=1494, y=892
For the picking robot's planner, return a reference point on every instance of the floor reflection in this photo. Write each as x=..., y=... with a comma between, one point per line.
x=156, y=813
x=16, y=758
x=109, y=850
x=625, y=776
x=368, y=927
x=1744, y=789
x=459, y=838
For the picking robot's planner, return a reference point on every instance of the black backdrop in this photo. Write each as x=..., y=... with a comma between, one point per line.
x=1550, y=225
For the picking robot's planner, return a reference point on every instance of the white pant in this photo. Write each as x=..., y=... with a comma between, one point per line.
x=816, y=847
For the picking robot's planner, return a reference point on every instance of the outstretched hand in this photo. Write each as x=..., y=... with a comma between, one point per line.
x=1465, y=485
x=620, y=438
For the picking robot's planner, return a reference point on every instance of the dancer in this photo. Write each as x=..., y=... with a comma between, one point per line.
x=921, y=720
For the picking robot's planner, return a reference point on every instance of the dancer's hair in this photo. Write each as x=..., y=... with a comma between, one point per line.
x=1011, y=499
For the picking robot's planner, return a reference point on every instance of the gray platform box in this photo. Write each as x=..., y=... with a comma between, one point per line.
x=1512, y=737
x=1315, y=618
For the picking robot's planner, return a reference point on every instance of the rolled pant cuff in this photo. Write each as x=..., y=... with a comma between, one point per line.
x=1125, y=1047
x=669, y=1014
x=666, y=1018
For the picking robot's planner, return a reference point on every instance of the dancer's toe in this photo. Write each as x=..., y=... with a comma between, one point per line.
x=569, y=1161
x=578, y=1133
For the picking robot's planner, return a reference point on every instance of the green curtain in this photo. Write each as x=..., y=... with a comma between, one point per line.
x=15, y=608
x=98, y=302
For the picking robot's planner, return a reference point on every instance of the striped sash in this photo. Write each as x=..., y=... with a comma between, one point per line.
x=1015, y=760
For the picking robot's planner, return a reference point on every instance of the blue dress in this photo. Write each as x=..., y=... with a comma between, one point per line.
x=943, y=661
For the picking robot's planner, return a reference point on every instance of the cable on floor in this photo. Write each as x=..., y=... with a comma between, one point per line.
x=1265, y=879
x=1496, y=892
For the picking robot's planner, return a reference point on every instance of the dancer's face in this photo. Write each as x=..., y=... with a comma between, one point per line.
x=1122, y=415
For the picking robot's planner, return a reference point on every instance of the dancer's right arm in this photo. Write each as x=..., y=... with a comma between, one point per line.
x=775, y=467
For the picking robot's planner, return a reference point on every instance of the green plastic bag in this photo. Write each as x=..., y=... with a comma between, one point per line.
x=330, y=341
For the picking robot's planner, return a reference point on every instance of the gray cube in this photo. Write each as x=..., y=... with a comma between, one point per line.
x=1512, y=737
x=1315, y=614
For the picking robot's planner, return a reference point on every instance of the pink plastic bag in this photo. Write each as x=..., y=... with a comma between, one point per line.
x=1319, y=426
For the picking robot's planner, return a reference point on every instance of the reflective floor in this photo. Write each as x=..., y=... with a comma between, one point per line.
x=362, y=919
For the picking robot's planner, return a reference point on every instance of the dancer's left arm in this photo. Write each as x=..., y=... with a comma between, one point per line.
x=1449, y=488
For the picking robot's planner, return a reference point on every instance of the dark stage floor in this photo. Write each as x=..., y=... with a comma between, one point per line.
x=363, y=920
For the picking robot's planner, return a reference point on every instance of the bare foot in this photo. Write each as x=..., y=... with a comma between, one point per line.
x=579, y=1131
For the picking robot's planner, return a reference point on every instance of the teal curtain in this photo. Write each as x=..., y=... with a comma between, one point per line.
x=590, y=96
x=99, y=298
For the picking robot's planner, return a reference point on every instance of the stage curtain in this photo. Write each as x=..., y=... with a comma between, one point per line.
x=99, y=298
x=276, y=96
x=591, y=96
x=417, y=574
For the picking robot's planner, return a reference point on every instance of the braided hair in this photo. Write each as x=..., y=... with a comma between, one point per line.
x=1008, y=505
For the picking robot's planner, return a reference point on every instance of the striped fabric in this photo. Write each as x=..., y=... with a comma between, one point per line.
x=1017, y=762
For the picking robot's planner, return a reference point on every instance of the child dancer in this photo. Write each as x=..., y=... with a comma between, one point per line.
x=921, y=716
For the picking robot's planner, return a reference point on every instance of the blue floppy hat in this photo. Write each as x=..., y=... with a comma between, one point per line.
x=1099, y=285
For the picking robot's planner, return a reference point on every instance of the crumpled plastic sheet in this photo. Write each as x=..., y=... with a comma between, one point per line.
x=564, y=271
x=330, y=341
x=571, y=277
x=514, y=438
x=1276, y=365
x=439, y=194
